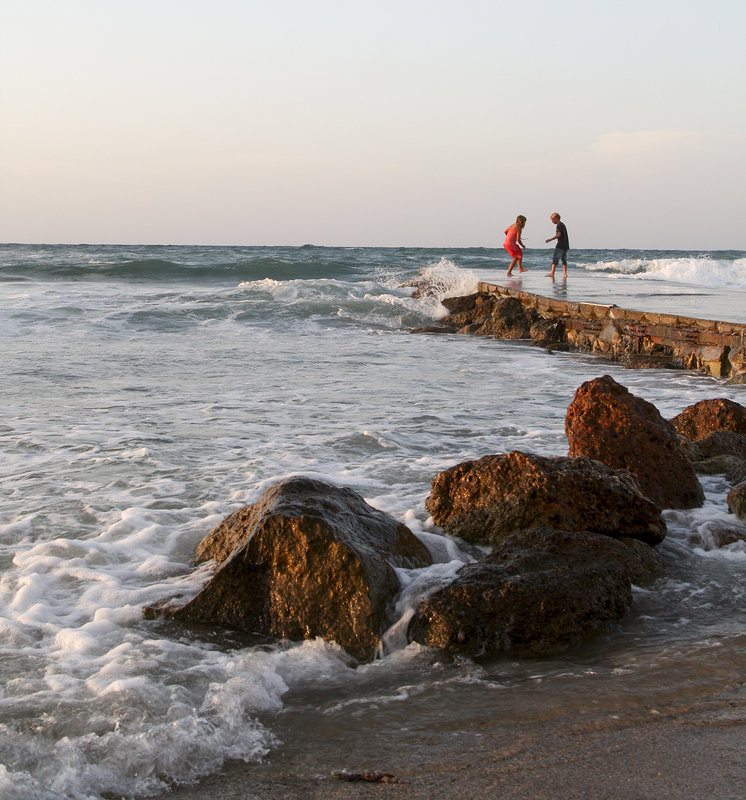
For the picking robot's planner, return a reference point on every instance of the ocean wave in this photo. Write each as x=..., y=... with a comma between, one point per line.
x=698, y=270
x=154, y=269
x=443, y=278
x=233, y=265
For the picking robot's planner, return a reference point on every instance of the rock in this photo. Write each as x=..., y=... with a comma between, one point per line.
x=538, y=593
x=736, y=473
x=719, y=452
x=434, y=329
x=737, y=379
x=714, y=535
x=549, y=333
x=307, y=560
x=718, y=414
x=732, y=467
x=717, y=443
x=737, y=500
x=425, y=284
x=608, y=423
x=483, y=501
x=469, y=304
x=485, y=314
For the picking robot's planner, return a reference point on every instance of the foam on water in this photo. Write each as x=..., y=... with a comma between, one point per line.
x=139, y=413
x=697, y=270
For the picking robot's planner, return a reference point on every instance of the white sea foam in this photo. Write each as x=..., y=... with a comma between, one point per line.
x=133, y=428
x=703, y=270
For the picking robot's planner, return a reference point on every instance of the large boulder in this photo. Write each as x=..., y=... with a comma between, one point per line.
x=717, y=414
x=608, y=423
x=307, y=560
x=737, y=500
x=538, y=593
x=483, y=501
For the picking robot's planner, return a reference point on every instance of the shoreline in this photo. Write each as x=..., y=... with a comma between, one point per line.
x=687, y=752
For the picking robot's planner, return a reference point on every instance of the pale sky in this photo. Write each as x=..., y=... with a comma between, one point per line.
x=392, y=123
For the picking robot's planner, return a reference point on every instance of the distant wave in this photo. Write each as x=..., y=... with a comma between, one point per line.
x=697, y=270
x=154, y=269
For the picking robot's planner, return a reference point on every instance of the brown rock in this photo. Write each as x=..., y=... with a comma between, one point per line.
x=608, y=423
x=549, y=332
x=732, y=467
x=717, y=414
x=737, y=500
x=538, y=593
x=483, y=501
x=307, y=559
x=486, y=314
x=717, y=443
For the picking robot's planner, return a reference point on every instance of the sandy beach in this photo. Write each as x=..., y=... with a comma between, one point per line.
x=685, y=752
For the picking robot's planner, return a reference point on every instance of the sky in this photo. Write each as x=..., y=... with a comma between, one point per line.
x=396, y=123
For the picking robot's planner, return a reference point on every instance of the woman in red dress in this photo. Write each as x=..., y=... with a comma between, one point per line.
x=513, y=243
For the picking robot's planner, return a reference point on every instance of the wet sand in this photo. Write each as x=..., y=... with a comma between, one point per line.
x=687, y=753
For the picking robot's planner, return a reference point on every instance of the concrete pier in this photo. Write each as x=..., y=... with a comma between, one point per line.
x=650, y=339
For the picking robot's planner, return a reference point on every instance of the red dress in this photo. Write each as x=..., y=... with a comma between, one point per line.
x=511, y=243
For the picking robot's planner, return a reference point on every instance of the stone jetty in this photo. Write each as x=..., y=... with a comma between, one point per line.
x=636, y=338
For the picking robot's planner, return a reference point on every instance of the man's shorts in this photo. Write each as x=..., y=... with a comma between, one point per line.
x=560, y=254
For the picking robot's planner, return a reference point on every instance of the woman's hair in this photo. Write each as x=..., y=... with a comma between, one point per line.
x=520, y=220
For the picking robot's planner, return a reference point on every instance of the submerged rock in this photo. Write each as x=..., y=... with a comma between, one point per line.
x=608, y=423
x=538, y=593
x=737, y=500
x=307, y=560
x=714, y=535
x=483, y=501
x=717, y=414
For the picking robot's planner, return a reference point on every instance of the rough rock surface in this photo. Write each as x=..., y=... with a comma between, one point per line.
x=717, y=443
x=737, y=500
x=608, y=423
x=307, y=559
x=538, y=593
x=550, y=333
x=719, y=452
x=732, y=467
x=718, y=414
x=483, y=501
x=485, y=314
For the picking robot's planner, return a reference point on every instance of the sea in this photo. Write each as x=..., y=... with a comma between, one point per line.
x=149, y=391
